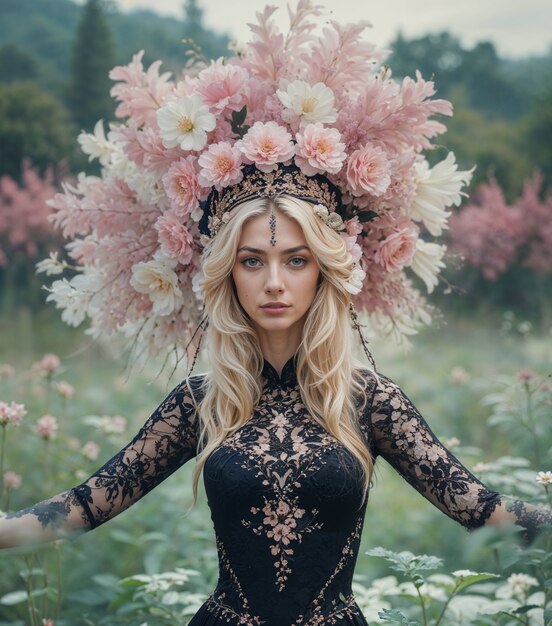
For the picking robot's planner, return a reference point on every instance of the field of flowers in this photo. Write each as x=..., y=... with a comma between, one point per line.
x=66, y=406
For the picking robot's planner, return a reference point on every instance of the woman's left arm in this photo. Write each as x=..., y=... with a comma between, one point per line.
x=399, y=433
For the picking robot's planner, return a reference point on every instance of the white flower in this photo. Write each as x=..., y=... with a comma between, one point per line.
x=333, y=219
x=185, y=123
x=51, y=265
x=97, y=145
x=427, y=262
x=520, y=583
x=73, y=296
x=308, y=103
x=159, y=281
x=481, y=467
x=544, y=478
x=463, y=573
x=91, y=450
x=354, y=283
x=438, y=188
x=197, y=285
x=452, y=442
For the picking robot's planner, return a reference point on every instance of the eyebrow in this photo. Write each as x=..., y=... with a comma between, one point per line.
x=259, y=251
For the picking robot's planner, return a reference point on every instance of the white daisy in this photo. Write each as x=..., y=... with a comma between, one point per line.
x=427, y=262
x=308, y=103
x=185, y=123
x=159, y=281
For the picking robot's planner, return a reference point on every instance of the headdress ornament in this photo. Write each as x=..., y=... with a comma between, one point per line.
x=313, y=114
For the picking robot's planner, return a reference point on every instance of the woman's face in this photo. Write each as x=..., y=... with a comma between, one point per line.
x=283, y=274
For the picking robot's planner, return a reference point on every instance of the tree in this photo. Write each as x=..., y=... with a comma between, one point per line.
x=93, y=57
x=33, y=124
x=16, y=64
x=211, y=45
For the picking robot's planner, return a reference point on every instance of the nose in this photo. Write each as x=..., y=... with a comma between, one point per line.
x=274, y=280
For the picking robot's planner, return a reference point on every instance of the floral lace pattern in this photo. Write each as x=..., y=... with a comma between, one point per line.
x=285, y=496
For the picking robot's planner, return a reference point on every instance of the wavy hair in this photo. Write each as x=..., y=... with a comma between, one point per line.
x=331, y=381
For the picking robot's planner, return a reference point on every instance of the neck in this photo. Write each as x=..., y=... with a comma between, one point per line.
x=279, y=346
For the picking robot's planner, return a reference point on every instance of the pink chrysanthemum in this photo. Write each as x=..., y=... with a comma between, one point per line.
x=220, y=166
x=175, y=239
x=368, y=171
x=319, y=150
x=182, y=186
x=398, y=249
x=221, y=87
x=266, y=145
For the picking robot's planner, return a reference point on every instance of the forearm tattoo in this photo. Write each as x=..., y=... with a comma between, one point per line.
x=53, y=512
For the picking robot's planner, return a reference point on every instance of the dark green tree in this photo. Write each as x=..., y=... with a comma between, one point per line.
x=33, y=124
x=93, y=57
x=211, y=46
x=16, y=64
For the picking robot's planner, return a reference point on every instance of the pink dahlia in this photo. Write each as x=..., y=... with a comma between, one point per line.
x=368, y=171
x=266, y=145
x=182, y=186
x=175, y=239
x=397, y=250
x=319, y=150
x=221, y=87
x=220, y=166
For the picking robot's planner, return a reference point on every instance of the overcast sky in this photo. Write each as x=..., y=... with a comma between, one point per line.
x=517, y=27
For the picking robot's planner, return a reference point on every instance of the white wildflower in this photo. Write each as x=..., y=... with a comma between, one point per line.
x=437, y=188
x=428, y=262
x=354, y=283
x=159, y=281
x=51, y=266
x=96, y=145
x=185, y=123
x=544, y=478
x=308, y=104
x=521, y=583
x=74, y=296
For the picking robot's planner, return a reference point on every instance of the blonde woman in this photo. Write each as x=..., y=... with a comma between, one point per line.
x=285, y=428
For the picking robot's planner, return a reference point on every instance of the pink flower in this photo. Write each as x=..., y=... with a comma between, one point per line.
x=11, y=413
x=48, y=622
x=220, y=166
x=65, y=390
x=49, y=363
x=182, y=187
x=266, y=145
x=175, y=239
x=47, y=427
x=524, y=376
x=368, y=171
x=319, y=150
x=397, y=250
x=91, y=450
x=221, y=87
x=6, y=371
x=12, y=480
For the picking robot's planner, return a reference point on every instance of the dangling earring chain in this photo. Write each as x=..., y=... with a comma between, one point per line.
x=354, y=318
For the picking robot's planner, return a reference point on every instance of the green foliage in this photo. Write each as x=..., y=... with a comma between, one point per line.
x=16, y=64
x=33, y=124
x=93, y=57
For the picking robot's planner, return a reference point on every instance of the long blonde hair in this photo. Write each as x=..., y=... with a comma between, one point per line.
x=328, y=375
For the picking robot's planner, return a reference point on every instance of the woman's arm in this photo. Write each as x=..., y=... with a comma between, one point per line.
x=397, y=432
x=167, y=440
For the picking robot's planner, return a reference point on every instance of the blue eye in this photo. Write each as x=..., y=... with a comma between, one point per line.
x=300, y=263
x=247, y=264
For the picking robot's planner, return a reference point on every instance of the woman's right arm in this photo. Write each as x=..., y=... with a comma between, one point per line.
x=167, y=440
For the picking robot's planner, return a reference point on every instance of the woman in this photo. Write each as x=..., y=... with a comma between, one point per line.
x=292, y=425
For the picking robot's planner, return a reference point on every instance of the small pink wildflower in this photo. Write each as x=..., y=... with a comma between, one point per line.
x=266, y=145
x=368, y=171
x=6, y=371
x=221, y=87
x=12, y=480
x=182, y=187
x=65, y=389
x=11, y=413
x=175, y=239
x=397, y=250
x=220, y=166
x=319, y=150
x=524, y=376
x=47, y=427
x=48, y=622
x=91, y=450
x=49, y=363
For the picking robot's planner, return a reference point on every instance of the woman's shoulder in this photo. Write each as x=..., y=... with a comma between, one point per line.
x=378, y=388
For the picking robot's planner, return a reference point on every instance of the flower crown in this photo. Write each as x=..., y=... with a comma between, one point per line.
x=312, y=113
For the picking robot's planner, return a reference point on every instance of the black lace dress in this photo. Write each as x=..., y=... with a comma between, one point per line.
x=284, y=497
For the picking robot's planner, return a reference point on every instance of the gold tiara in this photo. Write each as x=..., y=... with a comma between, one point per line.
x=289, y=180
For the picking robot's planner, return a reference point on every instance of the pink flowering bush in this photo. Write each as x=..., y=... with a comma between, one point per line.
x=316, y=98
x=24, y=226
x=494, y=236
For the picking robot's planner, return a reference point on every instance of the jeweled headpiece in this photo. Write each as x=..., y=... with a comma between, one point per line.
x=312, y=113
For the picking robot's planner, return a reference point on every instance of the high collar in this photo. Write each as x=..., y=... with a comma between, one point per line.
x=288, y=377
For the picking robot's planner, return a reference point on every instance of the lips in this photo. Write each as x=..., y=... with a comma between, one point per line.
x=275, y=305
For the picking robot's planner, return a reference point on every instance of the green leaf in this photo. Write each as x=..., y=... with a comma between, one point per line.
x=15, y=597
x=238, y=117
x=396, y=617
x=525, y=609
x=547, y=617
x=474, y=578
x=366, y=216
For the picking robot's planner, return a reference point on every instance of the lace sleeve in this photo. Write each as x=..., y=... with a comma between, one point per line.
x=167, y=440
x=398, y=433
